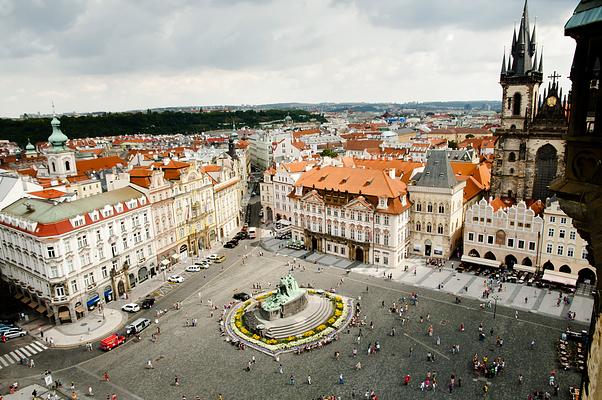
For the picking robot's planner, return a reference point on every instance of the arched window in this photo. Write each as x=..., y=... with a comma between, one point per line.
x=53, y=167
x=418, y=206
x=429, y=227
x=512, y=170
x=441, y=208
x=440, y=229
x=67, y=166
x=429, y=208
x=516, y=102
x=418, y=226
x=511, y=157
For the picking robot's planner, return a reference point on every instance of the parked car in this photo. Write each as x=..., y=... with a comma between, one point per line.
x=220, y=259
x=131, y=307
x=213, y=257
x=137, y=326
x=230, y=244
x=241, y=235
x=241, y=296
x=202, y=264
x=175, y=279
x=14, y=333
x=193, y=268
x=148, y=302
x=111, y=342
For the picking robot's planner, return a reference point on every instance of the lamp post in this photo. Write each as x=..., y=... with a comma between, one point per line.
x=495, y=299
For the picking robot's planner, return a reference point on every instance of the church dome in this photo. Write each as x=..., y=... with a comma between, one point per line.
x=29, y=147
x=57, y=139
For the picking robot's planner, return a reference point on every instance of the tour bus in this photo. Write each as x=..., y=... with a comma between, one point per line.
x=252, y=233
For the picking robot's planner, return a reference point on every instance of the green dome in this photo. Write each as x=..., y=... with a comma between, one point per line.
x=58, y=139
x=29, y=147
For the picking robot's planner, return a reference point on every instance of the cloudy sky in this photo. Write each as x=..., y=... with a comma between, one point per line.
x=92, y=55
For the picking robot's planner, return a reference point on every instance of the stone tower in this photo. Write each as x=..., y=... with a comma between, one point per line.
x=61, y=159
x=529, y=150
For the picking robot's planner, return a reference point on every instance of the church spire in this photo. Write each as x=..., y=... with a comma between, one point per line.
x=523, y=52
x=503, y=72
x=540, y=68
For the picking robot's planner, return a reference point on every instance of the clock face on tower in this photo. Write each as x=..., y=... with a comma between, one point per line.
x=551, y=101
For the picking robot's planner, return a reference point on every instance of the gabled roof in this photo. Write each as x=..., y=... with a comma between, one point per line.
x=297, y=166
x=438, y=171
x=48, y=194
x=141, y=176
x=98, y=164
x=362, y=144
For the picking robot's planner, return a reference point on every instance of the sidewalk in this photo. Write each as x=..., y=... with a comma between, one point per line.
x=447, y=280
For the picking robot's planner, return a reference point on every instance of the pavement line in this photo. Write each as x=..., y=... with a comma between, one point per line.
x=427, y=346
x=3, y=361
x=130, y=394
x=35, y=347
x=42, y=345
x=19, y=353
x=25, y=352
x=13, y=355
x=31, y=349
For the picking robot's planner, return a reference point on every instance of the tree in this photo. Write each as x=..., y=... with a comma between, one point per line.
x=452, y=144
x=329, y=153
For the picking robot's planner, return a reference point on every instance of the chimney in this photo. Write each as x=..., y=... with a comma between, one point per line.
x=392, y=173
x=166, y=161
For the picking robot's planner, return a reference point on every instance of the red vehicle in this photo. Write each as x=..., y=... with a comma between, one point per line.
x=111, y=342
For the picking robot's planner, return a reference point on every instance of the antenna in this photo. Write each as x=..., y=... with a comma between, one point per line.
x=53, y=111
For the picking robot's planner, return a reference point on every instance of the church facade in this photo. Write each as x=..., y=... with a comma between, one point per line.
x=530, y=149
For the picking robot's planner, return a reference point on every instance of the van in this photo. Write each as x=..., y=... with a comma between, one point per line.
x=137, y=326
x=111, y=342
x=252, y=233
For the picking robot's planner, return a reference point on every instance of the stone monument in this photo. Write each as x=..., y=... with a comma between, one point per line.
x=288, y=300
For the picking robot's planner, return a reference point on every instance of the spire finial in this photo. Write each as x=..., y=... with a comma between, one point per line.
x=540, y=68
x=504, y=62
x=53, y=110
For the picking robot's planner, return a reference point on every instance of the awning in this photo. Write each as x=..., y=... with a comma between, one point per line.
x=176, y=256
x=18, y=296
x=165, y=262
x=93, y=300
x=64, y=315
x=41, y=309
x=50, y=313
x=524, y=268
x=481, y=261
x=560, y=277
x=79, y=309
x=25, y=300
x=33, y=304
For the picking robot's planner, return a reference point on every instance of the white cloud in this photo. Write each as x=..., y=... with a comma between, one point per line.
x=118, y=55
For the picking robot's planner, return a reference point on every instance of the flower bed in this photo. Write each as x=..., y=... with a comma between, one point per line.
x=321, y=334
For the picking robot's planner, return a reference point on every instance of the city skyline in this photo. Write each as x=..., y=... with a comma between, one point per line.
x=261, y=52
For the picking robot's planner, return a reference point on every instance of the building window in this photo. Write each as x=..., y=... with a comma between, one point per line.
x=67, y=246
x=551, y=232
x=440, y=229
x=490, y=239
x=561, y=233
x=441, y=208
x=481, y=238
x=549, y=248
x=510, y=242
x=59, y=291
x=343, y=250
x=531, y=246
x=563, y=220
x=572, y=235
x=470, y=237
x=418, y=226
x=50, y=252
x=101, y=253
x=560, y=250
x=584, y=254
x=429, y=227
x=70, y=267
x=122, y=223
x=88, y=279
x=521, y=244
x=98, y=237
x=429, y=208
x=377, y=237
x=386, y=258
x=552, y=219
x=418, y=206
x=386, y=222
x=82, y=241
x=328, y=247
x=570, y=252
x=386, y=239
x=104, y=271
x=376, y=257
x=114, y=249
x=73, y=286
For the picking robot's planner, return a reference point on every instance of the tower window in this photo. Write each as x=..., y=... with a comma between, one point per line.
x=53, y=167
x=516, y=104
x=512, y=156
x=67, y=166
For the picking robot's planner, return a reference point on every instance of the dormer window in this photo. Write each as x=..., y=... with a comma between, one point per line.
x=382, y=202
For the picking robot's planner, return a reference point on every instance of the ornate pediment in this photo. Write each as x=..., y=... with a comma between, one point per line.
x=359, y=204
x=313, y=197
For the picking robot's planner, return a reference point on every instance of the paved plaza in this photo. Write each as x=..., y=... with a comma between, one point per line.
x=207, y=366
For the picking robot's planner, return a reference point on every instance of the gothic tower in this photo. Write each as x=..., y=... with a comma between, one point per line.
x=520, y=77
x=529, y=149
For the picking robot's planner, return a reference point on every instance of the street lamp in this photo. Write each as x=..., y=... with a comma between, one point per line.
x=495, y=299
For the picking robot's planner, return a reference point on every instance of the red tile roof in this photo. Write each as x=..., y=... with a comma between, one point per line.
x=48, y=194
x=98, y=164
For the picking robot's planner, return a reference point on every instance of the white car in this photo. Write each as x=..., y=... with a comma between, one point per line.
x=175, y=279
x=13, y=333
x=212, y=257
x=193, y=268
x=131, y=307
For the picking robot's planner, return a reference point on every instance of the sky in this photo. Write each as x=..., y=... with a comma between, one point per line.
x=111, y=55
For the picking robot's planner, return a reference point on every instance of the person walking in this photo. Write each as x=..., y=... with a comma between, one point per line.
x=105, y=376
x=90, y=392
x=292, y=379
x=176, y=380
x=280, y=369
x=341, y=379
x=309, y=379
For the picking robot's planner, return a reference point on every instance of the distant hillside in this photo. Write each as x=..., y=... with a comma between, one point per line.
x=110, y=124
x=382, y=107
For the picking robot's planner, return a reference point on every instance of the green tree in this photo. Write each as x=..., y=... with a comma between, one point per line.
x=329, y=153
x=452, y=144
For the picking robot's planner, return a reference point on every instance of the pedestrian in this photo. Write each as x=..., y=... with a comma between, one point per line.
x=90, y=392
x=31, y=363
x=341, y=379
x=292, y=379
x=411, y=350
x=176, y=380
x=308, y=379
x=149, y=364
x=491, y=331
x=438, y=341
x=280, y=369
x=105, y=376
x=516, y=314
x=526, y=300
x=532, y=344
